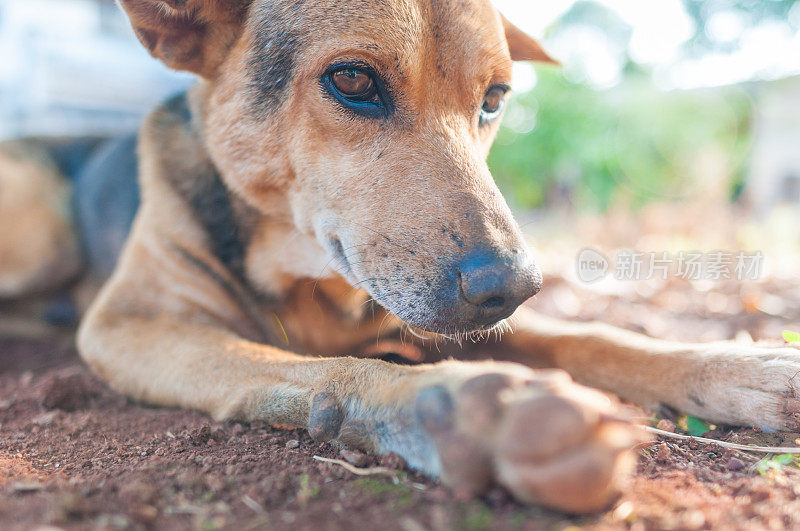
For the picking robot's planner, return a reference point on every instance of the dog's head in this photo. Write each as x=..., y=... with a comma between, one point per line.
x=373, y=118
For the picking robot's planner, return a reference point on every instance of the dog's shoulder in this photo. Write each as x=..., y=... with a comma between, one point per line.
x=173, y=154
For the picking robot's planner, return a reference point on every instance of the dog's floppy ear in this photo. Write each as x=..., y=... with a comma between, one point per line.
x=192, y=35
x=523, y=47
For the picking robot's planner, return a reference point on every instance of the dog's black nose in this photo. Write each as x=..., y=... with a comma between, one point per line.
x=494, y=284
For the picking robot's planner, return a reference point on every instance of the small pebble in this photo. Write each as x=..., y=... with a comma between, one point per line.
x=735, y=464
x=392, y=461
x=354, y=457
x=664, y=453
x=666, y=425
x=27, y=486
x=218, y=434
x=138, y=492
x=26, y=378
x=294, y=443
x=67, y=391
x=200, y=436
x=146, y=514
x=72, y=503
x=45, y=418
x=497, y=497
x=703, y=474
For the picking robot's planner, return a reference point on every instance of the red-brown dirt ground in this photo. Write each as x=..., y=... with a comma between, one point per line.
x=75, y=455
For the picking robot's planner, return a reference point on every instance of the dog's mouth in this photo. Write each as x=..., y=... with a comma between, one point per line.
x=477, y=335
x=420, y=316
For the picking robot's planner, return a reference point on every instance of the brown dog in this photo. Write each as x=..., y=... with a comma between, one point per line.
x=351, y=137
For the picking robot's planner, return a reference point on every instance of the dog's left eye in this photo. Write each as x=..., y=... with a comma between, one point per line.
x=493, y=103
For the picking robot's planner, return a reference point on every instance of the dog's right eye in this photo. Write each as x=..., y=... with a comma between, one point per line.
x=354, y=84
x=359, y=89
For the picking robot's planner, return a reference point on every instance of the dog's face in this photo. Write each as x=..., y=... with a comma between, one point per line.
x=374, y=119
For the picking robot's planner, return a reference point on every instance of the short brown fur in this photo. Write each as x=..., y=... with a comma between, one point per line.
x=337, y=229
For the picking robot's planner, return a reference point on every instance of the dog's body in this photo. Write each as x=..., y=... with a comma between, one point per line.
x=280, y=218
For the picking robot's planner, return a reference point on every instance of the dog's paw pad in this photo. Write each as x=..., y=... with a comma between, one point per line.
x=562, y=450
x=466, y=465
x=543, y=437
x=584, y=479
x=460, y=423
x=480, y=402
x=540, y=425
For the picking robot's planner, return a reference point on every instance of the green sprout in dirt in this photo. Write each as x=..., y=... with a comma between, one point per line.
x=476, y=517
x=377, y=487
x=771, y=465
x=306, y=491
x=792, y=338
x=694, y=426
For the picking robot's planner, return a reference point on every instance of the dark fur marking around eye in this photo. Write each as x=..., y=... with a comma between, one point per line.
x=272, y=59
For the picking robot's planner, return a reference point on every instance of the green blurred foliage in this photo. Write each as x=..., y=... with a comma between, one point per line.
x=633, y=144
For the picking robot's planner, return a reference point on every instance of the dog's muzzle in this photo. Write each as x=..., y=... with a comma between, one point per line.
x=479, y=291
x=492, y=285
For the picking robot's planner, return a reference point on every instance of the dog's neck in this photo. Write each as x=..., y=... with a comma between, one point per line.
x=288, y=270
x=275, y=255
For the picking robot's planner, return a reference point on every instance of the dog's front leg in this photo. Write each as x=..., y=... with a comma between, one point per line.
x=721, y=382
x=546, y=439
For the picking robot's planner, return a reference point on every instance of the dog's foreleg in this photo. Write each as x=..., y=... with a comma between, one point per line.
x=548, y=440
x=721, y=382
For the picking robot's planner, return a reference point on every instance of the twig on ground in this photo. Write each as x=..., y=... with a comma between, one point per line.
x=358, y=471
x=253, y=505
x=734, y=446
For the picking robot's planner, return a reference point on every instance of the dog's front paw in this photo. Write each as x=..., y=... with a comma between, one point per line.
x=746, y=386
x=544, y=438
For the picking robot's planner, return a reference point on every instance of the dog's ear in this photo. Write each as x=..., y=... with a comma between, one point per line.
x=523, y=47
x=192, y=35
